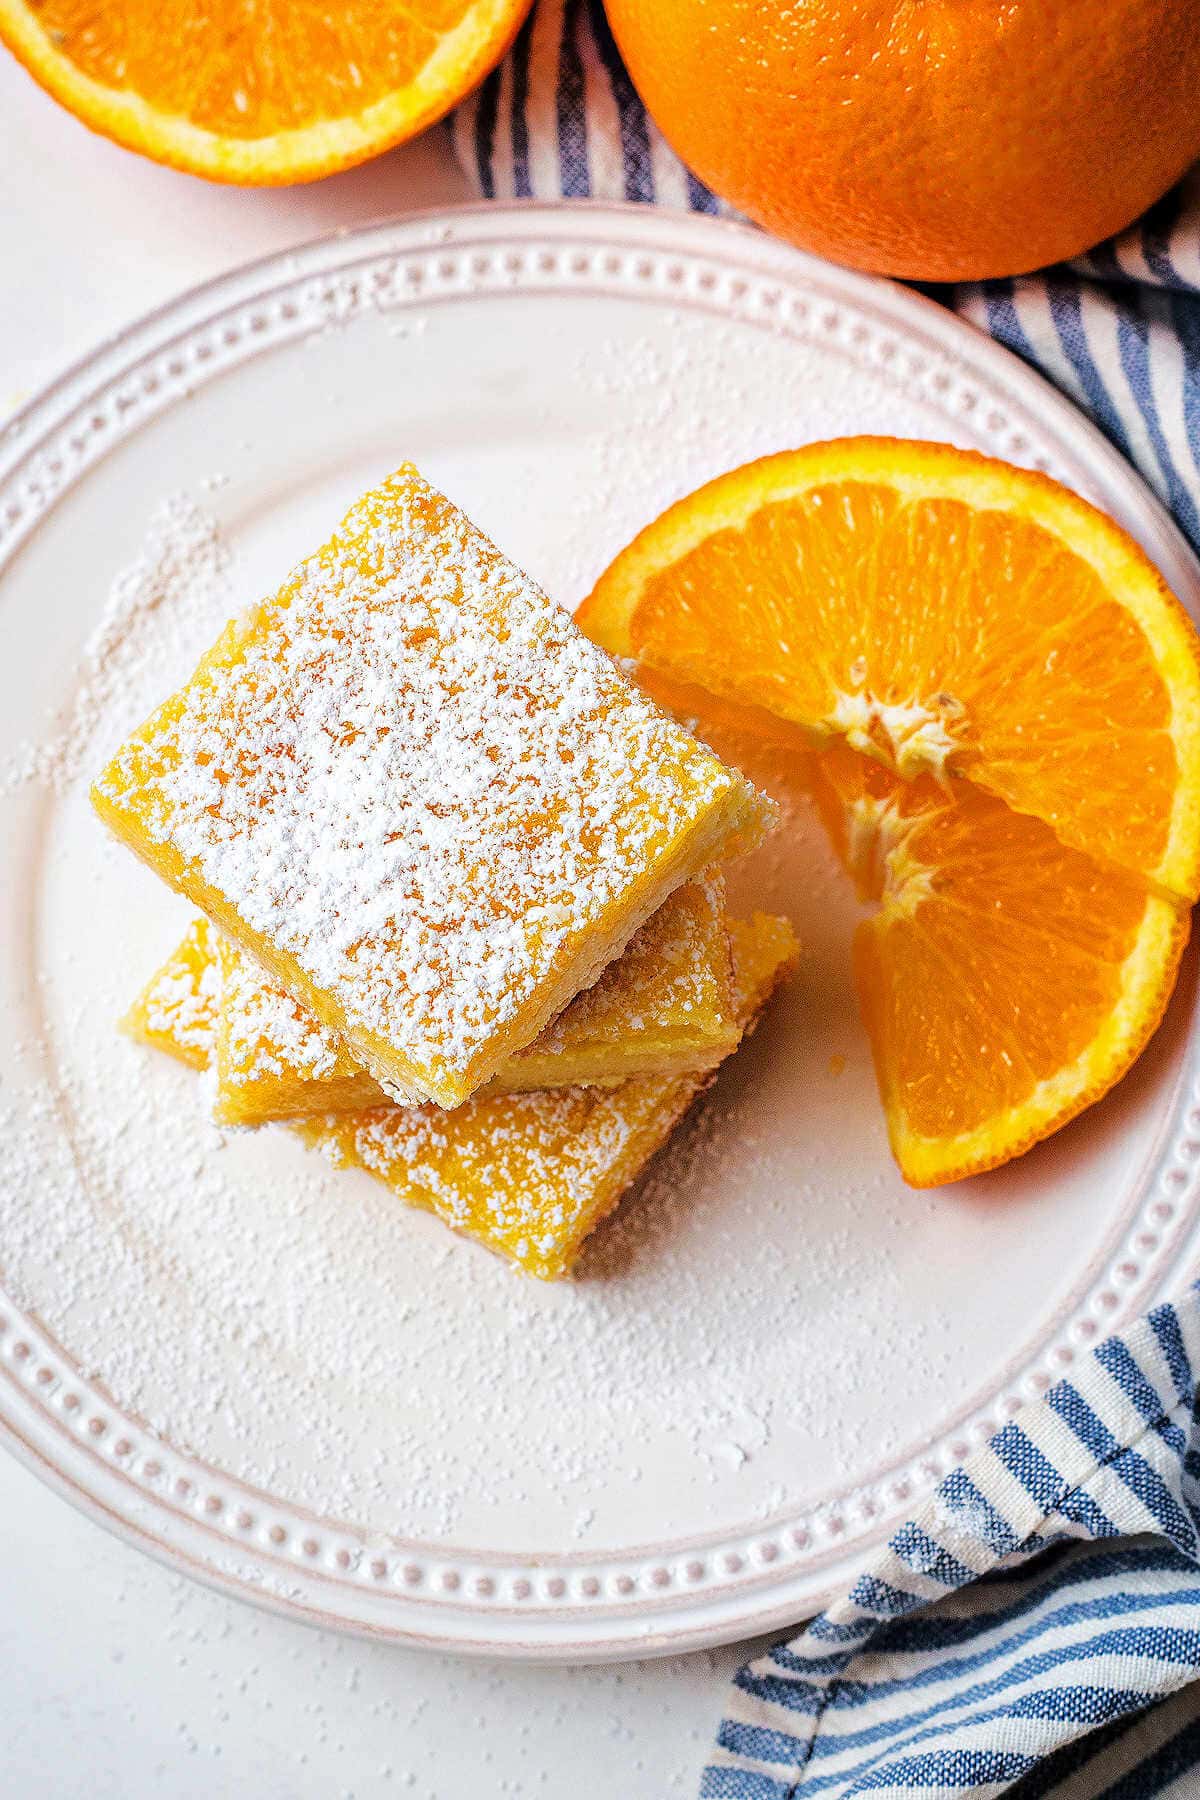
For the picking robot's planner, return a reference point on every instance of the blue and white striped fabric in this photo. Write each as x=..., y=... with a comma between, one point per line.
x=1034, y=1630
x=976, y=1657
x=1118, y=330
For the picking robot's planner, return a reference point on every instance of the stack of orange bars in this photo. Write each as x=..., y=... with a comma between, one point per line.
x=462, y=914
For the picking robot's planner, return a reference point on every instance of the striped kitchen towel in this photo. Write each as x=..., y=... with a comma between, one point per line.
x=1034, y=1630
x=1118, y=330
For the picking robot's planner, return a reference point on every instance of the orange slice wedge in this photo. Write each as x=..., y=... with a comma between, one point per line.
x=279, y=92
x=1004, y=702
x=1006, y=980
x=945, y=614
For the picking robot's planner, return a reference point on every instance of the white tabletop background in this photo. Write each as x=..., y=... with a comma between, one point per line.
x=120, y=1679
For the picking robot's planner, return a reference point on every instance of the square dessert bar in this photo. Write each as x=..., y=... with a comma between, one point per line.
x=526, y=1175
x=415, y=792
x=665, y=1005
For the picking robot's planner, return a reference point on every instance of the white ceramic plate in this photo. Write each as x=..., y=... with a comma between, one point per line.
x=272, y=1374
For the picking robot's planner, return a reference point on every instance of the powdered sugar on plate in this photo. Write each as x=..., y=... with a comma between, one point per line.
x=295, y=1323
x=772, y=1325
x=182, y=573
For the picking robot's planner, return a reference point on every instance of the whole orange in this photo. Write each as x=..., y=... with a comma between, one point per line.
x=936, y=139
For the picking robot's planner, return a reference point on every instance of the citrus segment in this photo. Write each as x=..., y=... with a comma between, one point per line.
x=1006, y=980
x=1001, y=703
x=262, y=94
x=946, y=615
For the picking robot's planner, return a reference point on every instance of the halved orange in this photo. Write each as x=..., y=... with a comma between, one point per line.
x=1004, y=701
x=1006, y=980
x=945, y=614
x=274, y=92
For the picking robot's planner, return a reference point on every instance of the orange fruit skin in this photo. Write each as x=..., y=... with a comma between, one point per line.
x=269, y=96
x=948, y=140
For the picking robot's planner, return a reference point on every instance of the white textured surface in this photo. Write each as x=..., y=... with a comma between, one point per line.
x=123, y=1682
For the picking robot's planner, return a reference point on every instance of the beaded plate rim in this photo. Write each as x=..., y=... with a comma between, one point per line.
x=656, y=1598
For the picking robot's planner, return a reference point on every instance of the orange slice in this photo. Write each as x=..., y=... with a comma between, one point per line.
x=945, y=614
x=1004, y=700
x=279, y=92
x=1006, y=980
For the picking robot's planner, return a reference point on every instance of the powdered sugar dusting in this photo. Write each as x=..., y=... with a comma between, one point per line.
x=180, y=1003
x=665, y=1003
x=268, y=1036
x=182, y=571
x=672, y=982
x=414, y=776
x=525, y=1174
x=176, y=1008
